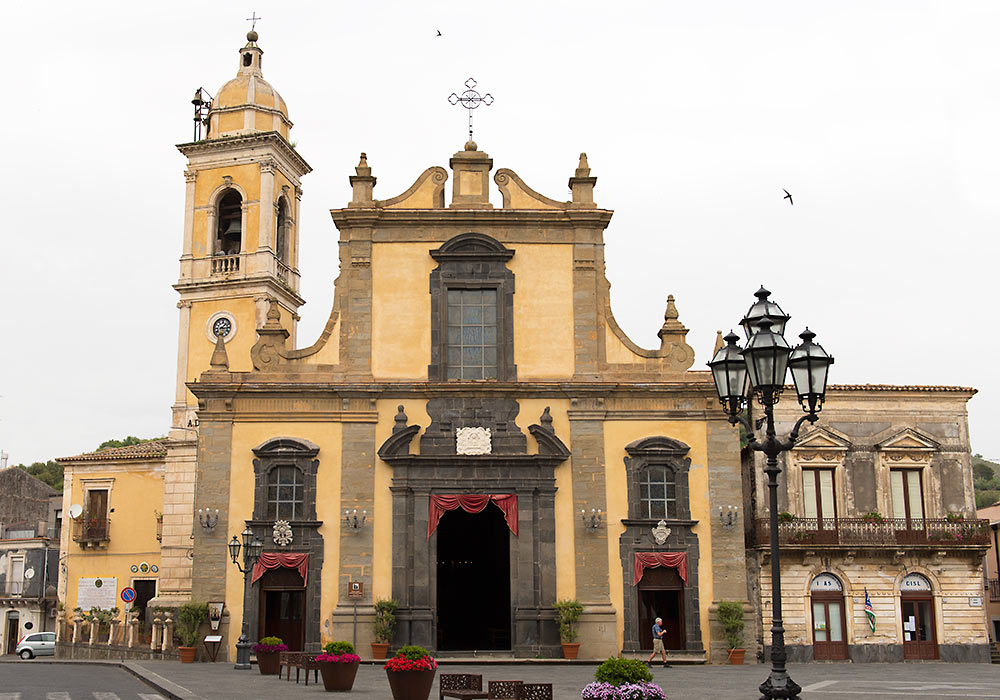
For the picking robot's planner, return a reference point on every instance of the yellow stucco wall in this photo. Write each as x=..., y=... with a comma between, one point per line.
x=247, y=177
x=401, y=310
x=531, y=410
x=200, y=348
x=132, y=530
x=618, y=434
x=543, y=310
x=247, y=436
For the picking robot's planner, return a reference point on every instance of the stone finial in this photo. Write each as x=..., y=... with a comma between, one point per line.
x=400, y=420
x=673, y=332
x=220, y=360
x=363, y=185
x=273, y=313
x=719, y=343
x=582, y=186
x=546, y=419
x=271, y=337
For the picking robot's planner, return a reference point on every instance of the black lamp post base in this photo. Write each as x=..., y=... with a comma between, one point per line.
x=780, y=687
x=242, y=655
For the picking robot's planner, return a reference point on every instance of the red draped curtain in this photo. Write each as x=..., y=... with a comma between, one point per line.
x=276, y=560
x=472, y=503
x=649, y=560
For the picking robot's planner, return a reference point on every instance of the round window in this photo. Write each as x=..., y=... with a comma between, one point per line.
x=29, y=626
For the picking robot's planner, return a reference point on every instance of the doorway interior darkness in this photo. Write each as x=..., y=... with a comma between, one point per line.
x=473, y=581
x=282, y=607
x=661, y=594
x=13, y=625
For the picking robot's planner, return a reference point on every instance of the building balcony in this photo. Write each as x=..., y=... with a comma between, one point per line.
x=861, y=532
x=15, y=588
x=91, y=532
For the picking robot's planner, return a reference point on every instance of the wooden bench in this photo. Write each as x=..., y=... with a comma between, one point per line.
x=461, y=685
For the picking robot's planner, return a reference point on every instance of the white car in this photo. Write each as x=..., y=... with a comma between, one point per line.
x=38, y=644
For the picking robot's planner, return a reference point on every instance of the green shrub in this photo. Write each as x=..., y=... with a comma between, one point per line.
x=338, y=648
x=412, y=652
x=567, y=613
x=385, y=619
x=730, y=615
x=270, y=641
x=189, y=619
x=618, y=670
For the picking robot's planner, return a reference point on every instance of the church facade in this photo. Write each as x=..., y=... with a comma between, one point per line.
x=471, y=435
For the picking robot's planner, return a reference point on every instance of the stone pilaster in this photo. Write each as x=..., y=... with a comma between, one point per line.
x=178, y=511
x=589, y=491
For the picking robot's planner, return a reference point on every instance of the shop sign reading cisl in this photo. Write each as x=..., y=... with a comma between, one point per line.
x=97, y=593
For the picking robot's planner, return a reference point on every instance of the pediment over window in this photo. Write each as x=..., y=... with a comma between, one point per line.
x=909, y=440
x=472, y=245
x=824, y=439
x=289, y=446
x=657, y=445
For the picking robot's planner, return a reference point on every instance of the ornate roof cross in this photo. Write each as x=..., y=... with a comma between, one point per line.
x=253, y=20
x=470, y=100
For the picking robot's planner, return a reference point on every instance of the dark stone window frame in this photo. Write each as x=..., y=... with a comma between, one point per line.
x=472, y=261
x=658, y=451
x=301, y=454
x=669, y=483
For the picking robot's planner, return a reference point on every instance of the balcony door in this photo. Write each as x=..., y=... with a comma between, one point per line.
x=818, y=502
x=907, y=499
x=829, y=618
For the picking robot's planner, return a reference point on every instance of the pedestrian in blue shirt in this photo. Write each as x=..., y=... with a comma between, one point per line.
x=658, y=633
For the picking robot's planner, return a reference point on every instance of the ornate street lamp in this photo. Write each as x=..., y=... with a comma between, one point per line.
x=252, y=549
x=766, y=359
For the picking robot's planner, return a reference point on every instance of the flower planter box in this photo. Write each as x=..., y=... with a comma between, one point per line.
x=267, y=662
x=410, y=685
x=736, y=656
x=187, y=654
x=379, y=649
x=570, y=649
x=338, y=677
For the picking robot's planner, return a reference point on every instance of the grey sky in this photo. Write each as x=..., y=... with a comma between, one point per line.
x=880, y=118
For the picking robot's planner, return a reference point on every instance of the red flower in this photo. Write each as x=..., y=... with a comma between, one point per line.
x=401, y=663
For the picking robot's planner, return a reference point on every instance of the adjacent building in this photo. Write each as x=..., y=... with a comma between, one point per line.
x=29, y=556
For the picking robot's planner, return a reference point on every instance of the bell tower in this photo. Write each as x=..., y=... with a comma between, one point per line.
x=241, y=236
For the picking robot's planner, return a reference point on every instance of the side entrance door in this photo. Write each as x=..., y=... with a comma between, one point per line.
x=829, y=643
x=661, y=594
x=282, y=607
x=13, y=627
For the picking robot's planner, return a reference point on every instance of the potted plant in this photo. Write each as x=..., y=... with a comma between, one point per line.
x=411, y=673
x=338, y=664
x=730, y=614
x=873, y=516
x=385, y=623
x=786, y=517
x=623, y=678
x=567, y=613
x=268, y=651
x=190, y=616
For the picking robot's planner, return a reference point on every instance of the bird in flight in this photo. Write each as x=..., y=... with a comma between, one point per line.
x=439, y=32
x=788, y=196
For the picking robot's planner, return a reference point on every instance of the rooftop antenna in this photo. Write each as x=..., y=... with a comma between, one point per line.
x=470, y=100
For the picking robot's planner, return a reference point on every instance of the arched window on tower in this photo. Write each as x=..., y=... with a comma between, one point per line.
x=282, y=232
x=229, y=234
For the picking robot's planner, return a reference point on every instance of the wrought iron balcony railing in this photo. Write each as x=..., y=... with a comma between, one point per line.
x=887, y=532
x=91, y=531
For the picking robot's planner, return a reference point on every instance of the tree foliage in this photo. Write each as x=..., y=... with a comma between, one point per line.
x=986, y=481
x=50, y=472
x=124, y=442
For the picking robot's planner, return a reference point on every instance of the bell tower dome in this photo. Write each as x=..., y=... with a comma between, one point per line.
x=241, y=232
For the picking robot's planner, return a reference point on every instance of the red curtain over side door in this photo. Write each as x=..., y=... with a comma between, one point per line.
x=471, y=503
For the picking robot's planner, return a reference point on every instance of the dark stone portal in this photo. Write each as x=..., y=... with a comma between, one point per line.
x=473, y=580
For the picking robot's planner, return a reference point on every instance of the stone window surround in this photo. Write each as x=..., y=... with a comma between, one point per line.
x=472, y=261
x=803, y=457
x=299, y=453
x=102, y=484
x=659, y=450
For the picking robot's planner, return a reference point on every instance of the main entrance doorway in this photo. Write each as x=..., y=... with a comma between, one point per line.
x=282, y=607
x=13, y=626
x=828, y=618
x=473, y=581
x=661, y=594
x=917, y=608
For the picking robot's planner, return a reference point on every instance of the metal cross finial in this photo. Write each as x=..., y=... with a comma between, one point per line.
x=253, y=20
x=470, y=99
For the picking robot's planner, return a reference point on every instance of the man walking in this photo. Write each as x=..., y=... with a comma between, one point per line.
x=658, y=633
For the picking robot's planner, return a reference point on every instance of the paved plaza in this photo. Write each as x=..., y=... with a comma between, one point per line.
x=44, y=680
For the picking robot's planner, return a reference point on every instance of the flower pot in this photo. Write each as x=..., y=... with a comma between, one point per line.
x=338, y=677
x=267, y=662
x=570, y=649
x=187, y=654
x=410, y=685
x=736, y=656
x=379, y=649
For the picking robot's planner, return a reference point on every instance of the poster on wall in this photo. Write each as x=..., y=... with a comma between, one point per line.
x=97, y=593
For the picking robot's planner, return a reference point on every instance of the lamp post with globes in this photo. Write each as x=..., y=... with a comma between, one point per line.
x=252, y=549
x=758, y=371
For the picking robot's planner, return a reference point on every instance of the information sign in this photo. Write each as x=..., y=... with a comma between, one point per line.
x=97, y=593
x=355, y=590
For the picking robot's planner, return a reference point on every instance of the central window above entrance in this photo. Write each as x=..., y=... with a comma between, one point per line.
x=472, y=334
x=472, y=311
x=284, y=493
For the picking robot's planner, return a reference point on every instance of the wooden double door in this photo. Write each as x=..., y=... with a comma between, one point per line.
x=829, y=626
x=919, y=630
